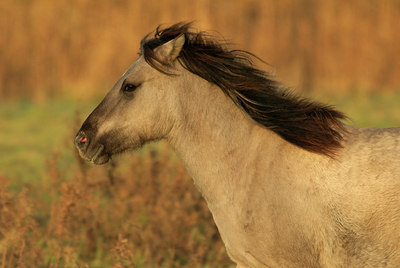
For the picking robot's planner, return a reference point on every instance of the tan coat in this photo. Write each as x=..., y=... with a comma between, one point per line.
x=275, y=204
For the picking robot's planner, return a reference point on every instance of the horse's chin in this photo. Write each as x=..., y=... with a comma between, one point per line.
x=101, y=156
x=98, y=156
x=101, y=159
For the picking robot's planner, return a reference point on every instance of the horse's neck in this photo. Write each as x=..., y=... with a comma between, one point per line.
x=218, y=144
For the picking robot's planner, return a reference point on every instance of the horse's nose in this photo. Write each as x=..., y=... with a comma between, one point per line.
x=81, y=141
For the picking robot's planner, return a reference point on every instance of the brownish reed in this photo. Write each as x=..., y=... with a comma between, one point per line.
x=52, y=48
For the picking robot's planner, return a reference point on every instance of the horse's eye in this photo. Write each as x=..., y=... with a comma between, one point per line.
x=129, y=88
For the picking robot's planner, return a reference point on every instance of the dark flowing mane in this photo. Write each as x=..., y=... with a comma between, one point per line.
x=309, y=125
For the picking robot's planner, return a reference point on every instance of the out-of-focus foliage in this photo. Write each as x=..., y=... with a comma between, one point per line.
x=147, y=214
x=58, y=47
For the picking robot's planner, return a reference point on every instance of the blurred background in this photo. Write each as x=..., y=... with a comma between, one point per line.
x=59, y=58
x=80, y=47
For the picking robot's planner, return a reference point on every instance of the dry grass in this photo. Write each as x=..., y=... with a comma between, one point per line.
x=49, y=47
x=145, y=213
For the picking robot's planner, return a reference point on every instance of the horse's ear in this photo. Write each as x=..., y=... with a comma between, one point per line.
x=168, y=52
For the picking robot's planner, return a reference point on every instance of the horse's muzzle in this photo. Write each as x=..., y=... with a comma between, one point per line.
x=89, y=150
x=81, y=141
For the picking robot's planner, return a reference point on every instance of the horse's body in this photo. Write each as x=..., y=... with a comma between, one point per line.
x=277, y=200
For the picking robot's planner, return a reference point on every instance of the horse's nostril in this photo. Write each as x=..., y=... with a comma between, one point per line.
x=81, y=140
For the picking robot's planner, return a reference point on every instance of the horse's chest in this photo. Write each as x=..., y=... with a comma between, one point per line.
x=236, y=231
x=256, y=234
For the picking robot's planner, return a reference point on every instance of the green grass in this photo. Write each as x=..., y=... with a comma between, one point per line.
x=31, y=134
x=368, y=109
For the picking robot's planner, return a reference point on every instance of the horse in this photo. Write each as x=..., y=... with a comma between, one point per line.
x=288, y=183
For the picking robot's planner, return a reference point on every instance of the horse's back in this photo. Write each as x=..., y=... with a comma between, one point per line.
x=372, y=142
x=366, y=199
x=371, y=157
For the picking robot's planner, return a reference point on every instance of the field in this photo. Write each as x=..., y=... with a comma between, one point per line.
x=58, y=211
x=141, y=210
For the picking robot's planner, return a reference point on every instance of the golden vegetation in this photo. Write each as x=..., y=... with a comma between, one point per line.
x=145, y=214
x=53, y=47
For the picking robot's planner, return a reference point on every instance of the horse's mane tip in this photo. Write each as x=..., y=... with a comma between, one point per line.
x=307, y=124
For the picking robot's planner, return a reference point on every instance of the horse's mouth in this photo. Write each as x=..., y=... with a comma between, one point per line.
x=97, y=156
x=100, y=157
x=91, y=151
